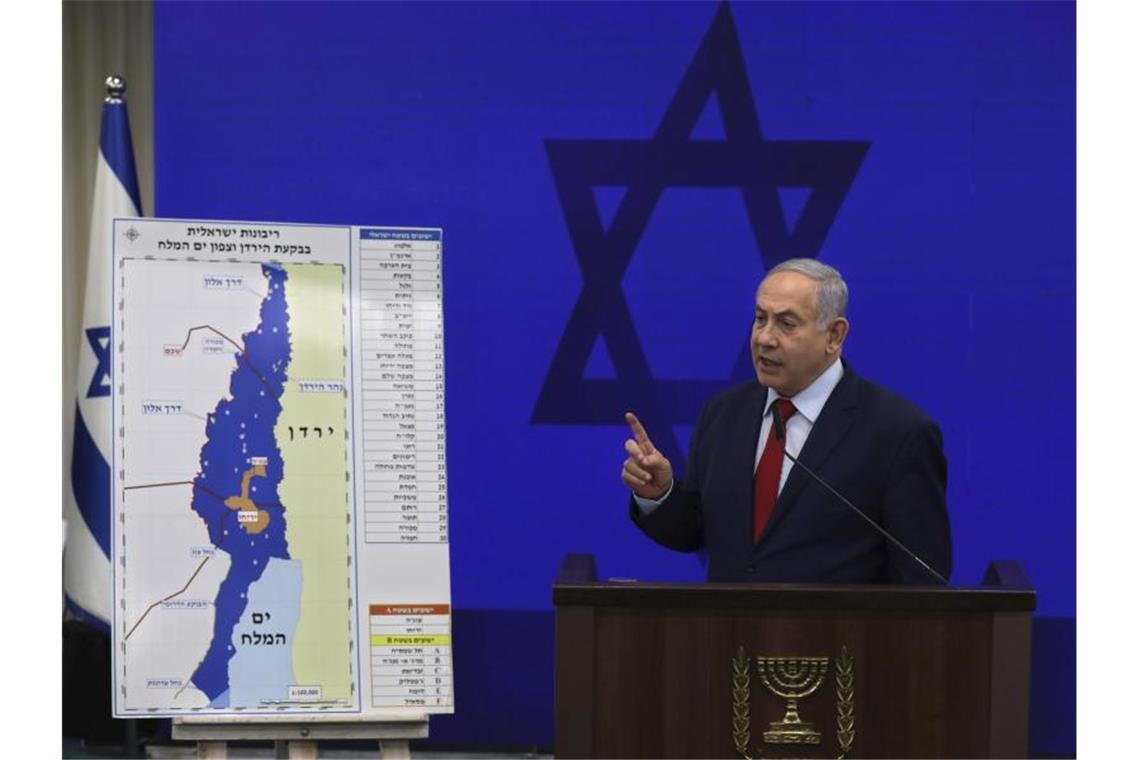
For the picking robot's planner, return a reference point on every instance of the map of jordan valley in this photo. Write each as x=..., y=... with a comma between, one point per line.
x=236, y=582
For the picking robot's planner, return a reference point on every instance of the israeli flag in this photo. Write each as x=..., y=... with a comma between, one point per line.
x=87, y=507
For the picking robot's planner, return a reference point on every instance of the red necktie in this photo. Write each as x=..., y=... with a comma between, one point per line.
x=767, y=480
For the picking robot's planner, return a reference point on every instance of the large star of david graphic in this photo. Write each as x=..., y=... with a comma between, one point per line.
x=744, y=160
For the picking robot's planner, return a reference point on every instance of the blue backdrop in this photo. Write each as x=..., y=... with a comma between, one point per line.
x=613, y=180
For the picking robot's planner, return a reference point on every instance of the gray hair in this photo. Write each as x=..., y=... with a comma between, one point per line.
x=832, y=295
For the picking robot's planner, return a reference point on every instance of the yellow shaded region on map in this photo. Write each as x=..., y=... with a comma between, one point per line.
x=413, y=640
x=314, y=490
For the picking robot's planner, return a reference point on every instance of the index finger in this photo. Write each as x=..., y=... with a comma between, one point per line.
x=639, y=433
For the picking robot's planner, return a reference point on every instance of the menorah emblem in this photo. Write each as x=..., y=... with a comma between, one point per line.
x=792, y=678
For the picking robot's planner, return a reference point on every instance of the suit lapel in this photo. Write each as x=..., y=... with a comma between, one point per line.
x=829, y=429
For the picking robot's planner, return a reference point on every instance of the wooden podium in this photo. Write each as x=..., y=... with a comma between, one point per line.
x=779, y=670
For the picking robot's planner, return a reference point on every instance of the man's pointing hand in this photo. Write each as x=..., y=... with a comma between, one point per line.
x=646, y=470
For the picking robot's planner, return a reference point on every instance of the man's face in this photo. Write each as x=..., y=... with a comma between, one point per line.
x=789, y=350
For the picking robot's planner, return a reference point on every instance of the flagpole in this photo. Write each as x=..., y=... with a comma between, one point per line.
x=116, y=88
x=87, y=503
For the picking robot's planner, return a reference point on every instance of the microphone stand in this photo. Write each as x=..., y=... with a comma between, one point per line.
x=781, y=433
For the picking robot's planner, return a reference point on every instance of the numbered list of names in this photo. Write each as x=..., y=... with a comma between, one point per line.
x=405, y=480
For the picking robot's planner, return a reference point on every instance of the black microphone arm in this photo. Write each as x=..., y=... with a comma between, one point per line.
x=781, y=436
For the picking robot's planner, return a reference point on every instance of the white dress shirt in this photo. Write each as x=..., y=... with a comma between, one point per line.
x=808, y=402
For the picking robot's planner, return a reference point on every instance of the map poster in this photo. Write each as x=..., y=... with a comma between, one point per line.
x=280, y=545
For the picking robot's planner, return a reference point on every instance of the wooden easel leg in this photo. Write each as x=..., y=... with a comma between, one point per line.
x=212, y=750
x=395, y=748
x=303, y=749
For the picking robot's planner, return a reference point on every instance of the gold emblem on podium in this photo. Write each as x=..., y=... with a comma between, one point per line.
x=792, y=679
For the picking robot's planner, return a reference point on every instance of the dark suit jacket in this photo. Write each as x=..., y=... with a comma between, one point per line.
x=874, y=447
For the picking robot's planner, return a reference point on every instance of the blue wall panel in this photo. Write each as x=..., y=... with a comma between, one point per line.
x=524, y=130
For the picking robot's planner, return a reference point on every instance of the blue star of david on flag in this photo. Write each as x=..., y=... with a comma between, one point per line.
x=99, y=338
x=744, y=159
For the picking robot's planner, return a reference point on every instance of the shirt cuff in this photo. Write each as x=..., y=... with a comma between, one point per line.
x=646, y=506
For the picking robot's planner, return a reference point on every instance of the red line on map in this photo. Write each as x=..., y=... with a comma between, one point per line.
x=235, y=344
x=222, y=499
x=211, y=328
x=168, y=598
x=161, y=485
x=260, y=377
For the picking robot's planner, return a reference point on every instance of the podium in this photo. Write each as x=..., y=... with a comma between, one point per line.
x=783, y=670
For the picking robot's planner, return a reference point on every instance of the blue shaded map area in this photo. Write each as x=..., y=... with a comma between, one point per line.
x=262, y=668
x=240, y=428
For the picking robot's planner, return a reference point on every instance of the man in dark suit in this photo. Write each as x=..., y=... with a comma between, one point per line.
x=760, y=517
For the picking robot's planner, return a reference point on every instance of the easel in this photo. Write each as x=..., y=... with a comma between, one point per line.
x=298, y=741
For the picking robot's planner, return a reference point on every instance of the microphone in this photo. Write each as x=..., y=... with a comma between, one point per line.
x=781, y=434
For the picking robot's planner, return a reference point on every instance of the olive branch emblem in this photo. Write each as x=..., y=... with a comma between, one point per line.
x=845, y=701
x=741, y=709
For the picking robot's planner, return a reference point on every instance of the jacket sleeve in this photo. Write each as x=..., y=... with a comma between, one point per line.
x=914, y=510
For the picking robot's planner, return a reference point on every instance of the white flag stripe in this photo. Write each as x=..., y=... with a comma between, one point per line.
x=87, y=568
